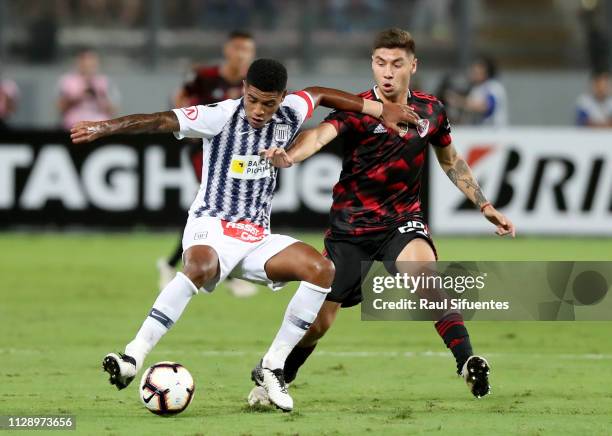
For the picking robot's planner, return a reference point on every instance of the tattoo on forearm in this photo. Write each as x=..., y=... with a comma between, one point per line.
x=158, y=122
x=461, y=175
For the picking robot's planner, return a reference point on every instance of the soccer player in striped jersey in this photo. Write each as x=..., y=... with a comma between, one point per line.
x=212, y=84
x=376, y=212
x=228, y=229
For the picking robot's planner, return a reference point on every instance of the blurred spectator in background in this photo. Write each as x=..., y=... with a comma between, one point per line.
x=594, y=109
x=486, y=102
x=9, y=95
x=85, y=94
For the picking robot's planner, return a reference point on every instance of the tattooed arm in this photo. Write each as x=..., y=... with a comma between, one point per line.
x=159, y=122
x=458, y=171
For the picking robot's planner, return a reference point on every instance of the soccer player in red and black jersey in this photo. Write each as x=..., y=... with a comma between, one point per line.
x=211, y=84
x=376, y=212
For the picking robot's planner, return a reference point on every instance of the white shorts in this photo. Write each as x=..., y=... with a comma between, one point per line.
x=243, y=248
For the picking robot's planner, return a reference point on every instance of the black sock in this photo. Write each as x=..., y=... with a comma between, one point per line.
x=177, y=255
x=295, y=360
x=454, y=334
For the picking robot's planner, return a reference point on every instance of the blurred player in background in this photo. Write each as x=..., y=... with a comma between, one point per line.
x=85, y=93
x=211, y=84
x=228, y=229
x=594, y=109
x=9, y=97
x=376, y=212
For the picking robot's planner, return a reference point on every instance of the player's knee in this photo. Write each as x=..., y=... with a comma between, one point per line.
x=320, y=272
x=201, y=265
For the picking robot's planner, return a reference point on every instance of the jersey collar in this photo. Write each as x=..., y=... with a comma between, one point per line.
x=375, y=92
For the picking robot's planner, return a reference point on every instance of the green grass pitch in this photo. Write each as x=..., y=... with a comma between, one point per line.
x=68, y=299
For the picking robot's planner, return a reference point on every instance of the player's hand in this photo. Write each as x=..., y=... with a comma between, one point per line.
x=278, y=157
x=503, y=224
x=87, y=131
x=396, y=116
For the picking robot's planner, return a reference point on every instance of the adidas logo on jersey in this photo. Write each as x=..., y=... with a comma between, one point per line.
x=380, y=129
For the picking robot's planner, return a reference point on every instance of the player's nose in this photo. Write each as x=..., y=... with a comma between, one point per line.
x=259, y=110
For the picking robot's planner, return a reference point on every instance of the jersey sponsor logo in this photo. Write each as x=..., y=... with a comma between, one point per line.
x=249, y=167
x=190, y=112
x=281, y=132
x=243, y=230
x=380, y=129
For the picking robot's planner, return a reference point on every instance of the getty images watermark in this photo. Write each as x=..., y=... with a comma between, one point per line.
x=520, y=291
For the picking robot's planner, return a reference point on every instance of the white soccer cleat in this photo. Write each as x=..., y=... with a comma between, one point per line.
x=258, y=397
x=273, y=382
x=475, y=372
x=121, y=368
x=241, y=288
x=166, y=273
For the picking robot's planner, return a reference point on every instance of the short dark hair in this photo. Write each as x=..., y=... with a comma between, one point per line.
x=239, y=34
x=489, y=64
x=395, y=38
x=267, y=75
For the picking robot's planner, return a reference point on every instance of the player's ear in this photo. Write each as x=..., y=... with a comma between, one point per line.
x=244, y=87
x=284, y=95
x=413, y=69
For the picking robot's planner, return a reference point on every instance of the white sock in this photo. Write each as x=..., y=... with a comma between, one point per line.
x=166, y=310
x=300, y=314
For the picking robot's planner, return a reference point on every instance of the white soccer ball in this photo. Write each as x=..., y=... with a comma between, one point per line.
x=166, y=388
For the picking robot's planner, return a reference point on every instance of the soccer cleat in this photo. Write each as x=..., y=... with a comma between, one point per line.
x=273, y=382
x=121, y=368
x=241, y=288
x=166, y=273
x=475, y=372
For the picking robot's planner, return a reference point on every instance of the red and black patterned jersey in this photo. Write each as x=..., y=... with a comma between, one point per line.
x=207, y=86
x=380, y=181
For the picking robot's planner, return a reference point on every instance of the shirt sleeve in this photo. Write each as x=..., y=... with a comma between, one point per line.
x=203, y=121
x=441, y=137
x=301, y=102
x=342, y=121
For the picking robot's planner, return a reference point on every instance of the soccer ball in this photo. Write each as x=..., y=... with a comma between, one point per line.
x=166, y=388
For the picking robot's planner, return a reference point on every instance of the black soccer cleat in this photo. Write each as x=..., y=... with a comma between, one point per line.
x=475, y=372
x=121, y=369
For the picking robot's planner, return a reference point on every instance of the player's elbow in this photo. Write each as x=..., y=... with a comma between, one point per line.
x=316, y=92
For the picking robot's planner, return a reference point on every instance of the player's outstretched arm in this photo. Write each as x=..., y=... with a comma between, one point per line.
x=159, y=122
x=391, y=114
x=307, y=143
x=458, y=171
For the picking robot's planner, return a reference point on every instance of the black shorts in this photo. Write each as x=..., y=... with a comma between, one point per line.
x=353, y=256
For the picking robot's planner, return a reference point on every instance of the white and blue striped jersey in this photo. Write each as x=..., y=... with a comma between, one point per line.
x=236, y=184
